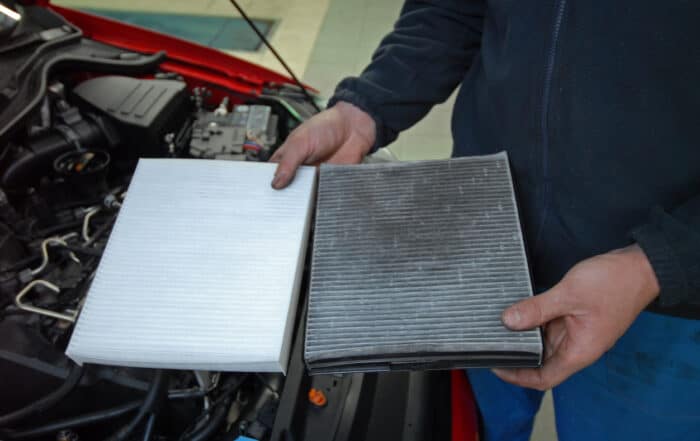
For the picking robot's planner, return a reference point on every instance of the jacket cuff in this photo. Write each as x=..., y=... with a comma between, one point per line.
x=344, y=92
x=666, y=264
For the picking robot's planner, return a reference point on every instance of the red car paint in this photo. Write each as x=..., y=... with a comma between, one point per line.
x=198, y=64
x=465, y=426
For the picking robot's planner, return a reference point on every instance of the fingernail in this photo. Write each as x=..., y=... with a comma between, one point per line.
x=277, y=181
x=511, y=317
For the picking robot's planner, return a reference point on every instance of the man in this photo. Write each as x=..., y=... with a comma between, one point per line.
x=597, y=104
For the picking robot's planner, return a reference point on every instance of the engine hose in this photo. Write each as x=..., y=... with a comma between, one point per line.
x=156, y=392
x=91, y=418
x=218, y=417
x=227, y=390
x=148, y=431
x=74, y=422
x=47, y=401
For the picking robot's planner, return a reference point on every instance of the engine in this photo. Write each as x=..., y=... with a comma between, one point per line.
x=76, y=114
x=63, y=178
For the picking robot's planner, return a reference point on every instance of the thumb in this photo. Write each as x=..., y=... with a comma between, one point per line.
x=289, y=157
x=535, y=311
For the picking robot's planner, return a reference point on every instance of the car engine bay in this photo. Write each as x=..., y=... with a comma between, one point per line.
x=77, y=114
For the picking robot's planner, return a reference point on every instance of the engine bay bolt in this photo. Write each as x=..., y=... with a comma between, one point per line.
x=110, y=201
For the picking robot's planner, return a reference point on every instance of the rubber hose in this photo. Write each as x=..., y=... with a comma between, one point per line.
x=47, y=401
x=156, y=391
x=148, y=431
x=218, y=417
x=73, y=422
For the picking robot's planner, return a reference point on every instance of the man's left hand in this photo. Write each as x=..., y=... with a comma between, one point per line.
x=583, y=315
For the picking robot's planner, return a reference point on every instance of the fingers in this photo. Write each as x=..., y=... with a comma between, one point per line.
x=554, y=335
x=295, y=153
x=343, y=134
x=564, y=356
x=347, y=155
x=289, y=157
x=557, y=368
x=535, y=311
x=551, y=374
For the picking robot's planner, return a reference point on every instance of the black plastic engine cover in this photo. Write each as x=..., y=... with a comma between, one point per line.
x=45, y=44
x=142, y=110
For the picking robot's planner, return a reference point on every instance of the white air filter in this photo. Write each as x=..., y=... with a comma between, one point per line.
x=202, y=270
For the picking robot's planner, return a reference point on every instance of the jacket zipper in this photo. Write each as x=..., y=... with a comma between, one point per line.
x=560, y=7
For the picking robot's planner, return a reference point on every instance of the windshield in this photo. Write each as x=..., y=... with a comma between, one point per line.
x=193, y=21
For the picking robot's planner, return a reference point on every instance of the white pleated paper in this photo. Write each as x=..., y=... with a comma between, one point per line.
x=201, y=271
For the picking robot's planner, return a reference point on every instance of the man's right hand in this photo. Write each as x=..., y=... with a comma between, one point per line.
x=343, y=134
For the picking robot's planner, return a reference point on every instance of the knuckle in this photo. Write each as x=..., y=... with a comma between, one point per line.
x=303, y=143
x=293, y=141
x=532, y=311
x=538, y=312
x=538, y=382
x=543, y=384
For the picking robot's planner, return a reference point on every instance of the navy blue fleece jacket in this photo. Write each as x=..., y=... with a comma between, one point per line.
x=596, y=102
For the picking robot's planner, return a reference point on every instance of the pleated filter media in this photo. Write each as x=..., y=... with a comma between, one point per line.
x=202, y=270
x=412, y=266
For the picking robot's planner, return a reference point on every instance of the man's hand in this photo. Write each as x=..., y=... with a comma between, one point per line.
x=342, y=134
x=583, y=315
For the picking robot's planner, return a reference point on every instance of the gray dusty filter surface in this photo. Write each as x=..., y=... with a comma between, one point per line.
x=412, y=266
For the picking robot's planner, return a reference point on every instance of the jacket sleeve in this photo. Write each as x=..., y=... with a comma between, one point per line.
x=417, y=65
x=671, y=241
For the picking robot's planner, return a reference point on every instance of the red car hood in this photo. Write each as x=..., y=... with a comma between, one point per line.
x=192, y=60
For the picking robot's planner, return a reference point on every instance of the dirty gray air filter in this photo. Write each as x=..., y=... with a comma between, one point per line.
x=413, y=264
